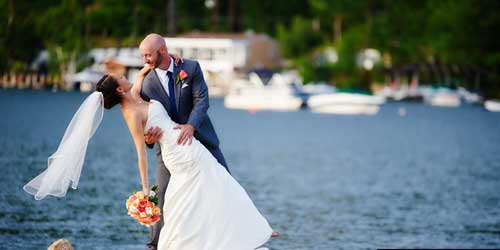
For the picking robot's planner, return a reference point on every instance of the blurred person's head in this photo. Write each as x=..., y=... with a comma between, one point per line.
x=113, y=88
x=61, y=244
x=154, y=51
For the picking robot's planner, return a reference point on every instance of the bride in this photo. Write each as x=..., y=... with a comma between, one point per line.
x=205, y=208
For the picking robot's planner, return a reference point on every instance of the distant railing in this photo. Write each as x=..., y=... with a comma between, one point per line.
x=31, y=80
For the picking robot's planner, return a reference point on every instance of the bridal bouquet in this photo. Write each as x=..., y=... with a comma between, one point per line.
x=143, y=208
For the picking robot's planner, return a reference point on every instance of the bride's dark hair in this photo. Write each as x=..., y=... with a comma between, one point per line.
x=107, y=86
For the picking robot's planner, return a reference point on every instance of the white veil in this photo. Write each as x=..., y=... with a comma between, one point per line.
x=65, y=165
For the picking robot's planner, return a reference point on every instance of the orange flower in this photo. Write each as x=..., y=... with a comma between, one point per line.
x=156, y=210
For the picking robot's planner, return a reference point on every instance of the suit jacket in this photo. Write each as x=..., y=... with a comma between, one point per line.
x=191, y=96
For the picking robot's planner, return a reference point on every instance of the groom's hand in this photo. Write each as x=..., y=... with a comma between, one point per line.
x=153, y=135
x=186, y=135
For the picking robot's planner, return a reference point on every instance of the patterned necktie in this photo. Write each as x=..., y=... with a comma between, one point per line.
x=171, y=97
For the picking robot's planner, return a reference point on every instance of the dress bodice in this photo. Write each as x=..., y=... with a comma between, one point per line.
x=173, y=155
x=158, y=116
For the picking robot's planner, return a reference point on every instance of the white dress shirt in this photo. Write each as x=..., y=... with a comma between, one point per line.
x=162, y=74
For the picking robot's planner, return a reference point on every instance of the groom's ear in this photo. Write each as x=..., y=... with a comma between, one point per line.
x=163, y=50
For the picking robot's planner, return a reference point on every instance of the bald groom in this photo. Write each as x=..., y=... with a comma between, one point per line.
x=186, y=103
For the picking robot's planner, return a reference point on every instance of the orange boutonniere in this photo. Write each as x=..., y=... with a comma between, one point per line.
x=182, y=76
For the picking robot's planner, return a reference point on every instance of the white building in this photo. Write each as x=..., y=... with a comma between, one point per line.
x=220, y=52
x=221, y=56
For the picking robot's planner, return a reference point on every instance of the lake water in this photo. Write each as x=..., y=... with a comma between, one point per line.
x=430, y=179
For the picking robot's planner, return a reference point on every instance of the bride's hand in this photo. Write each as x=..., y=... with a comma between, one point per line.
x=145, y=69
x=177, y=59
x=153, y=135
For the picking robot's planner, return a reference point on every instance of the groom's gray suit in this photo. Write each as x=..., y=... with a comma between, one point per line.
x=191, y=97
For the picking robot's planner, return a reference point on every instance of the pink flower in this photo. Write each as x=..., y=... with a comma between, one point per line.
x=183, y=75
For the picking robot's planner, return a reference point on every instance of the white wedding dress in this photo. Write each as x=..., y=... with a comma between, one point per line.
x=204, y=208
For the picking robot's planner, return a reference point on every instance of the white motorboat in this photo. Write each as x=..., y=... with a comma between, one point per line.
x=443, y=97
x=345, y=103
x=253, y=95
x=347, y=109
x=264, y=98
x=468, y=96
x=492, y=105
x=318, y=88
x=401, y=93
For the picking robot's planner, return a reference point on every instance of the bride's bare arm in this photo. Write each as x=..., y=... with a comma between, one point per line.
x=134, y=123
x=136, y=88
